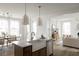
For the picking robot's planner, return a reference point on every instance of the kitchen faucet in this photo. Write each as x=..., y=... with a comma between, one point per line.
x=32, y=35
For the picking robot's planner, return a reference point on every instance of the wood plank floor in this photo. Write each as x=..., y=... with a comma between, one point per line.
x=7, y=51
x=60, y=50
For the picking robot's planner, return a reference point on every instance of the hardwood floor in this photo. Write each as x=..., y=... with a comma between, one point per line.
x=7, y=51
x=60, y=50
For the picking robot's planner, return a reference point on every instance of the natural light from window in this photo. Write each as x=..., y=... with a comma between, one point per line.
x=66, y=28
x=9, y=26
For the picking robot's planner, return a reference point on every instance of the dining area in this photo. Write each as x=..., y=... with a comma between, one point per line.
x=6, y=40
x=6, y=47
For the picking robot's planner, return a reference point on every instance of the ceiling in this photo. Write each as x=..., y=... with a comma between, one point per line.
x=48, y=9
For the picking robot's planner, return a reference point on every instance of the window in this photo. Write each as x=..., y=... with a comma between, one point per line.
x=14, y=27
x=28, y=28
x=3, y=25
x=34, y=29
x=9, y=26
x=28, y=32
x=66, y=28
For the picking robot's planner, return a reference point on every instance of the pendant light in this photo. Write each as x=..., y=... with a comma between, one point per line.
x=39, y=18
x=25, y=18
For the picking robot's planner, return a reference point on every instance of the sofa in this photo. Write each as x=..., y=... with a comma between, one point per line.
x=71, y=42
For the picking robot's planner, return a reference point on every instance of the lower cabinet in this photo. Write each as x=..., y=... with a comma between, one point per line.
x=40, y=52
x=22, y=51
x=27, y=51
x=49, y=45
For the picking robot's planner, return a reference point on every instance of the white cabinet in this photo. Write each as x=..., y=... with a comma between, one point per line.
x=49, y=45
x=38, y=44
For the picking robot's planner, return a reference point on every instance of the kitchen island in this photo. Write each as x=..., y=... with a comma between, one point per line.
x=39, y=47
x=32, y=48
x=22, y=48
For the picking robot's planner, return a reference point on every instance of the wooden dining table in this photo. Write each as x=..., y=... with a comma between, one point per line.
x=7, y=38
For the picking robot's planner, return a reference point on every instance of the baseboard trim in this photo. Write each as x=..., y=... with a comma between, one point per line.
x=51, y=54
x=71, y=46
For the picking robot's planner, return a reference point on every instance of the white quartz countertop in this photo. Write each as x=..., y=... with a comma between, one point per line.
x=22, y=43
x=36, y=44
x=48, y=39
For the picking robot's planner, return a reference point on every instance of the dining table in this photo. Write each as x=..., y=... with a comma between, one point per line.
x=7, y=38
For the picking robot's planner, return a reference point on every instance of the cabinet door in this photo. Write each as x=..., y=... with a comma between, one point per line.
x=36, y=53
x=43, y=52
x=50, y=47
x=27, y=51
x=18, y=51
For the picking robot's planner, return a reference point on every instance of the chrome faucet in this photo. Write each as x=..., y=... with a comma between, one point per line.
x=32, y=35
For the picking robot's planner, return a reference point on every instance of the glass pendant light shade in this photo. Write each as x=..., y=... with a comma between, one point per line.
x=39, y=18
x=39, y=21
x=25, y=18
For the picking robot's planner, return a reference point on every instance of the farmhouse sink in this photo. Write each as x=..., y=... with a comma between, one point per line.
x=37, y=44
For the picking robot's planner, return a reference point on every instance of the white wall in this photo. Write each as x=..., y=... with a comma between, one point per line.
x=74, y=23
x=74, y=29
x=71, y=18
x=40, y=29
x=44, y=29
x=48, y=21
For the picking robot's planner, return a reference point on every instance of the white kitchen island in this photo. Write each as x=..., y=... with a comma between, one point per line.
x=35, y=47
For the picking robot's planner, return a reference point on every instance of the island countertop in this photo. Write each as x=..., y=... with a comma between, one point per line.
x=22, y=43
x=36, y=44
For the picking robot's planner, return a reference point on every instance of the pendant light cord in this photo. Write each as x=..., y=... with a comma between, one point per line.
x=39, y=10
x=25, y=8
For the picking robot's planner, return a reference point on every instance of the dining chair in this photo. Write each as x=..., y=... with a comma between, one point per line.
x=12, y=38
x=2, y=42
